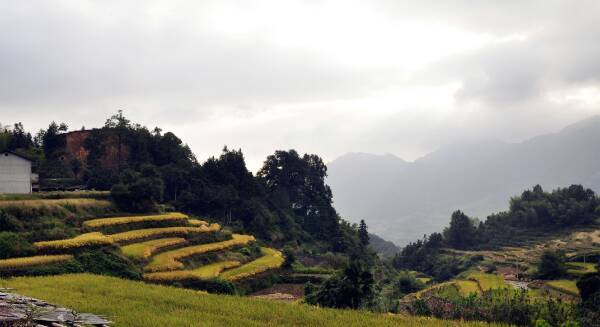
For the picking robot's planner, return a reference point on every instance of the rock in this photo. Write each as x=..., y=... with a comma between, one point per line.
x=18, y=308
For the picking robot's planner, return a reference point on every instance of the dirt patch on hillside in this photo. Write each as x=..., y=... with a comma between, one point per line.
x=281, y=292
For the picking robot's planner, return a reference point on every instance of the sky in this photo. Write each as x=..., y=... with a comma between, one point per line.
x=324, y=77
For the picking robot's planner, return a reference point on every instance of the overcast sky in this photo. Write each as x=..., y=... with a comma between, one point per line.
x=325, y=77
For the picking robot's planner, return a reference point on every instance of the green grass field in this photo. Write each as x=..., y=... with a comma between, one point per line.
x=131, y=304
x=579, y=268
x=565, y=286
x=488, y=281
x=466, y=287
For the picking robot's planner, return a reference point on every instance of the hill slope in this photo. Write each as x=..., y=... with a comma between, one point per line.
x=131, y=304
x=400, y=200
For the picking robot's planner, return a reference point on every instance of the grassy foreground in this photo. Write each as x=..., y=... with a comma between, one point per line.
x=130, y=303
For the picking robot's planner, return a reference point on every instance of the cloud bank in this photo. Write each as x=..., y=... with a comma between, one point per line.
x=326, y=77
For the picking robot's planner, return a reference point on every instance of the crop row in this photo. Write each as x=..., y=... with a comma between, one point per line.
x=197, y=222
x=145, y=250
x=28, y=262
x=141, y=234
x=170, y=260
x=106, y=222
x=205, y=272
x=271, y=259
x=83, y=240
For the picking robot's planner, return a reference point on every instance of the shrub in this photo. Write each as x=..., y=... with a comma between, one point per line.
x=407, y=283
x=552, y=265
x=351, y=288
x=106, y=262
x=290, y=257
x=14, y=245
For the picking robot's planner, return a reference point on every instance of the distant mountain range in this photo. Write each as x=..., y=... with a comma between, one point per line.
x=402, y=200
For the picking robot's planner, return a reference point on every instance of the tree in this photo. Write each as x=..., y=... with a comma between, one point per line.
x=52, y=142
x=290, y=257
x=138, y=192
x=552, y=265
x=461, y=232
x=363, y=233
x=352, y=288
x=299, y=183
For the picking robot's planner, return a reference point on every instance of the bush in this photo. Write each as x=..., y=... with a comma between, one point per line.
x=408, y=283
x=290, y=257
x=352, y=288
x=106, y=262
x=552, y=265
x=14, y=245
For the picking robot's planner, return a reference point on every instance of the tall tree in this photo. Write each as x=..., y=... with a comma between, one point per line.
x=300, y=181
x=363, y=233
x=461, y=232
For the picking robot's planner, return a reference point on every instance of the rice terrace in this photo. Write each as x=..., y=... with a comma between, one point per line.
x=171, y=249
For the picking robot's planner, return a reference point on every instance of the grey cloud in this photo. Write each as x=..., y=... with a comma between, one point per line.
x=558, y=53
x=62, y=58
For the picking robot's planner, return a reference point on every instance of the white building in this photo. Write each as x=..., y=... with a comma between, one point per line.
x=15, y=173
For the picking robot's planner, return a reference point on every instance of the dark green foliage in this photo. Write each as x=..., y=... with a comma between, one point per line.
x=138, y=192
x=107, y=262
x=427, y=256
x=14, y=245
x=588, y=286
x=539, y=210
x=299, y=183
x=461, y=233
x=290, y=257
x=552, y=265
x=408, y=283
x=363, y=233
x=352, y=288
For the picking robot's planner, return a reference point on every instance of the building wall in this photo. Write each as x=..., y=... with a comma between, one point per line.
x=15, y=174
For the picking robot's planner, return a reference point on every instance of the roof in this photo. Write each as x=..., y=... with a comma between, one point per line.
x=18, y=155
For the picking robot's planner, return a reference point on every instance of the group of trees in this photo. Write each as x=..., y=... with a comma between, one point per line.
x=533, y=209
x=14, y=138
x=287, y=201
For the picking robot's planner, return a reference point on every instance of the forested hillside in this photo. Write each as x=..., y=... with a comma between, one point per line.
x=287, y=201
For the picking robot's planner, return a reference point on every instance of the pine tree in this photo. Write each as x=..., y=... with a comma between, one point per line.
x=363, y=233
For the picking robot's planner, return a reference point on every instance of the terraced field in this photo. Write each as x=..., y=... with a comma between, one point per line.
x=565, y=286
x=487, y=282
x=171, y=260
x=160, y=251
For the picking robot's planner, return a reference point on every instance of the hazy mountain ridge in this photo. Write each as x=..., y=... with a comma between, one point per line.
x=403, y=200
